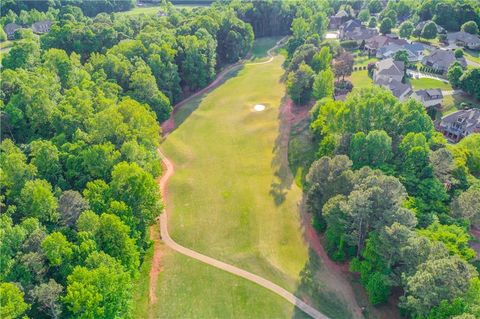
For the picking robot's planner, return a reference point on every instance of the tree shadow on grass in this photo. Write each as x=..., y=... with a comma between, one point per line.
x=283, y=177
x=317, y=293
x=184, y=111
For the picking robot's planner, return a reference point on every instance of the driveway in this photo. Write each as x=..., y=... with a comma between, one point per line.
x=418, y=74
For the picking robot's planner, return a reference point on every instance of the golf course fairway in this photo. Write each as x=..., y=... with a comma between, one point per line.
x=232, y=198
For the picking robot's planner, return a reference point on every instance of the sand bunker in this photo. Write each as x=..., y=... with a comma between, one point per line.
x=259, y=108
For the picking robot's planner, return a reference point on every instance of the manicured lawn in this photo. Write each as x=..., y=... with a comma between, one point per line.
x=426, y=83
x=262, y=45
x=452, y=103
x=360, y=79
x=233, y=198
x=364, y=60
x=472, y=55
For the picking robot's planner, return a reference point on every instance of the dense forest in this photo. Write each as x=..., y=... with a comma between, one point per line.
x=80, y=113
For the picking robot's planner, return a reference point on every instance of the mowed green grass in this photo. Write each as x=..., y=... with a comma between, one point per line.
x=426, y=83
x=360, y=79
x=222, y=203
x=225, y=193
x=262, y=45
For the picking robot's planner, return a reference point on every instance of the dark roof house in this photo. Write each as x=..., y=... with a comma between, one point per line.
x=10, y=29
x=337, y=19
x=441, y=60
x=41, y=26
x=349, y=26
x=457, y=125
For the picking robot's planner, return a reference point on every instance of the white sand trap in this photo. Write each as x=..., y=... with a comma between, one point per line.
x=259, y=108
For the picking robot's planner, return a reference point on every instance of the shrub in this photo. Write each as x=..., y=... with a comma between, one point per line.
x=349, y=44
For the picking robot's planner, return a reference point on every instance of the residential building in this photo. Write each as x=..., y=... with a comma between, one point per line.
x=441, y=60
x=379, y=41
x=389, y=69
x=10, y=29
x=415, y=51
x=338, y=19
x=463, y=39
x=41, y=27
x=457, y=125
x=429, y=98
x=389, y=74
x=349, y=26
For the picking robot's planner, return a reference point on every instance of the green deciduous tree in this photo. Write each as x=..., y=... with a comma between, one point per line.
x=37, y=200
x=45, y=156
x=429, y=30
x=299, y=84
x=386, y=25
x=11, y=301
x=453, y=237
x=58, y=250
x=454, y=74
x=136, y=188
x=322, y=59
x=470, y=27
x=323, y=84
x=100, y=290
x=406, y=29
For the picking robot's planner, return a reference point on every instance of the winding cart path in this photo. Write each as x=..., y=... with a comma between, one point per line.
x=168, y=126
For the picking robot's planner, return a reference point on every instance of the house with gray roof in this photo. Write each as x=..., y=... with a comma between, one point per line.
x=389, y=74
x=429, y=98
x=379, y=41
x=389, y=69
x=415, y=51
x=10, y=29
x=463, y=39
x=348, y=26
x=41, y=27
x=441, y=60
x=457, y=125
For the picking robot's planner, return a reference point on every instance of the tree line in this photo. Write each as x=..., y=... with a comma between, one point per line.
x=80, y=112
x=390, y=195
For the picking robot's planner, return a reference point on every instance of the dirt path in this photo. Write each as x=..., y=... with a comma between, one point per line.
x=168, y=126
x=338, y=272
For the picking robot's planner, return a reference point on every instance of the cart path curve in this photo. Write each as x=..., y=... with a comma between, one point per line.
x=168, y=126
x=169, y=170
